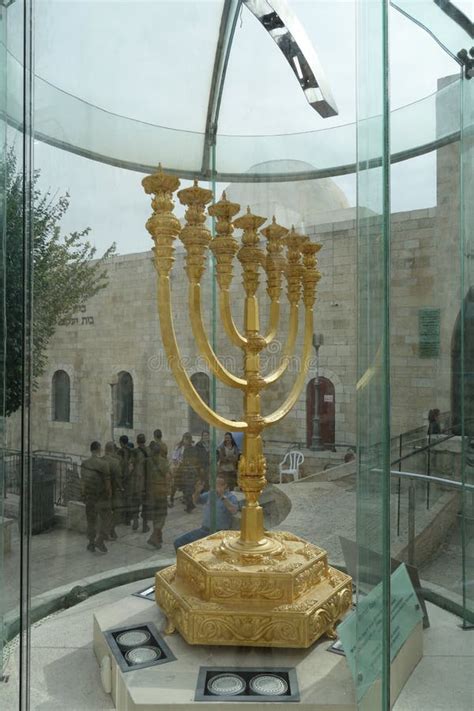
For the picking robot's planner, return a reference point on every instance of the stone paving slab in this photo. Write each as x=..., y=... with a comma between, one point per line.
x=65, y=675
x=321, y=511
x=59, y=556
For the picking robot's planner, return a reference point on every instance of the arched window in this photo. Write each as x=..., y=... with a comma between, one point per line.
x=201, y=383
x=124, y=401
x=61, y=400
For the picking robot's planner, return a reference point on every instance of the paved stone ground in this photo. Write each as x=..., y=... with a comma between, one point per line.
x=65, y=674
x=446, y=566
x=322, y=509
x=59, y=556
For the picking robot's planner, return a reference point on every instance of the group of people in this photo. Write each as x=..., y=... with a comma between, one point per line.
x=126, y=481
x=131, y=480
x=191, y=462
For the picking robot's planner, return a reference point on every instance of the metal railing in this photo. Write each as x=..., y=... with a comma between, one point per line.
x=427, y=443
x=446, y=599
x=413, y=478
x=59, y=465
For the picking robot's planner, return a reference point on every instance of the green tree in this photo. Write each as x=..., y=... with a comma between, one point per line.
x=64, y=276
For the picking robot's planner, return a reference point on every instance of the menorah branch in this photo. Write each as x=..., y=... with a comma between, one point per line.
x=172, y=352
x=229, y=325
x=203, y=344
x=298, y=385
x=273, y=322
x=288, y=350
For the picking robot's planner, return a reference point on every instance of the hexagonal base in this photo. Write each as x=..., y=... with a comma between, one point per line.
x=213, y=597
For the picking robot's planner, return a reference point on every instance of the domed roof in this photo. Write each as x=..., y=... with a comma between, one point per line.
x=292, y=202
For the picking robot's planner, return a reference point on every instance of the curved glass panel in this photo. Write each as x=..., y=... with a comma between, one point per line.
x=152, y=61
x=16, y=221
x=367, y=398
x=91, y=132
x=372, y=671
x=467, y=350
x=449, y=22
x=3, y=226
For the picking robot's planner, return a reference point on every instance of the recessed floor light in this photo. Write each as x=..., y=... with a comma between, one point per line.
x=131, y=639
x=226, y=684
x=141, y=655
x=247, y=684
x=138, y=647
x=268, y=684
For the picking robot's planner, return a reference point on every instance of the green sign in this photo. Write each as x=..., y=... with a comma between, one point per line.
x=361, y=631
x=428, y=332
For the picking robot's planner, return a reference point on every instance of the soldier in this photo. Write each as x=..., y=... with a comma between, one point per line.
x=176, y=473
x=159, y=482
x=203, y=457
x=124, y=455
x=114, y=463
x=139, y=484
x=189, y=471
x=157, y=436
x=96, y=490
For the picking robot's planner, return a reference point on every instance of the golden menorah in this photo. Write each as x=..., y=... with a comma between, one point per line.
x=296, y=596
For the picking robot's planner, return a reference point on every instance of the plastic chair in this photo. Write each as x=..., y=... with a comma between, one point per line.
x=293, y=460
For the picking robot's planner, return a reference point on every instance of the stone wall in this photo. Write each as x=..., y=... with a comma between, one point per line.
x=118, y=330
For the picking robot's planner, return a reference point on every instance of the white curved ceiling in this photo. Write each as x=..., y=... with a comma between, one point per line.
x=128, y=83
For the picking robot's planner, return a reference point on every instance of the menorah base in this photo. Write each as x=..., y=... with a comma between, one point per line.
x=220, y=596
x=235, y=546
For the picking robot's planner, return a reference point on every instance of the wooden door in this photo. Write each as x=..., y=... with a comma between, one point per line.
x=327, y=412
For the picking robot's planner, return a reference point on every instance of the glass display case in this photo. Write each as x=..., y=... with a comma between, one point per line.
x=237, y=320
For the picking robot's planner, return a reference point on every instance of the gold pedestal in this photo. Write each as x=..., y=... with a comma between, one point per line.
x=217, y=595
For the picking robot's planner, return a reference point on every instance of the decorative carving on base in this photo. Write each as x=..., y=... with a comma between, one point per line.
x=295, y=598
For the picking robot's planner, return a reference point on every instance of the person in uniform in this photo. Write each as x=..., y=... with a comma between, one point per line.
x=159, y=481
x=176, y=469
x=124, y=455
x=139, y=484
x=203, y=458
x=97, y=493
x=114, y=463
x=189, y=471
x=158, y=438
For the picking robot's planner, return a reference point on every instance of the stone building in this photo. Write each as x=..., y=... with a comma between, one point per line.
x=109, y=364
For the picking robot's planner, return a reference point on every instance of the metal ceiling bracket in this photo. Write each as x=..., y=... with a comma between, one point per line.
x=286, y=30
x=457, y=16
x=467, y=60
x=229, y=18
x=453, y=13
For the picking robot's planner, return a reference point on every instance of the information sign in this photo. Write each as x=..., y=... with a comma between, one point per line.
x=361, y=631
